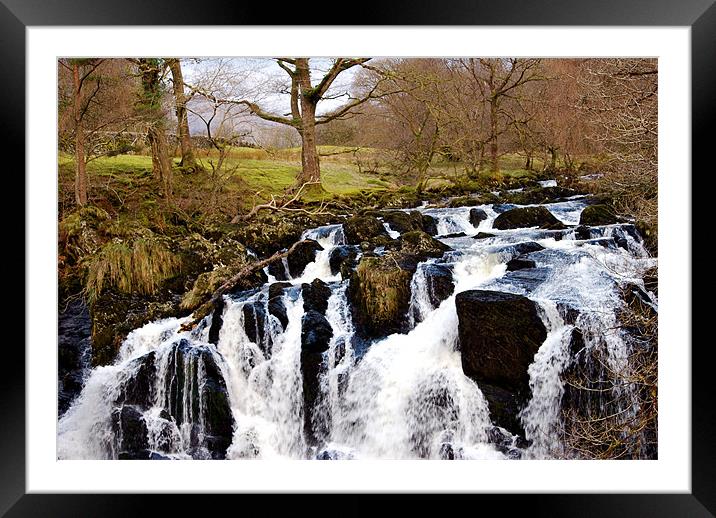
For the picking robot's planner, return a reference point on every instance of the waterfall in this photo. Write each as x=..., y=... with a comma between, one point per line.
x=173, y=394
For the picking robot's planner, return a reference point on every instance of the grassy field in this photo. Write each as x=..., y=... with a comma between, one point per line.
x=251, y=176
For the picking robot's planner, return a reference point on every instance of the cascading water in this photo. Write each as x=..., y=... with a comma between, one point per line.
x=400, y=396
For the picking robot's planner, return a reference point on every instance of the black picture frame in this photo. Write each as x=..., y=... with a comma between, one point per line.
x=700, y=15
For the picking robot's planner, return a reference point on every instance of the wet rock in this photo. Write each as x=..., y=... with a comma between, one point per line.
x=477, y=216
x=440, y=282
x=217, y=321
x=526, y=217
x=340, y=255
x=130, y=432
x=499, y=334
x=520, y=263
x=303, y=254
x=275, y=305
x=527, y=279
x=582, y=232
x=450, y=236
x=193, y=368
x=73, y=351
x=597, y=215
x=503, y=207
x=255, y=322
x=606, y=242
x=316, y=332
x=421, y=245
x=538, y=195
x=139, y=389
x=463, y=201
x=365, y=228
x=483, y=235
x=315, y=296
x=279, y=270
x=403, y=222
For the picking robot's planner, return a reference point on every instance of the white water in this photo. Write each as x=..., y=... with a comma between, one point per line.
x=401, y=397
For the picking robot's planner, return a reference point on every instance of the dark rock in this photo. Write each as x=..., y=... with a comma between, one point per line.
x=526, y=217
x=593, y=215
x=255, y=322
x=403, y=222
x=421, y=244
x=360, y=229
x=520, y=263
x=279, y=270
x=528, y=279
x=568, y=313
x=538, y=195
x=483, y=235
x=275, y=305
x=130, y=432
x=524, y=248
x=499, y=334
x=216, y=321
x=315, y=296
x=606, y=242
x=139, y=388
x=343, y=254
x=505, y=442
x=582, y=232
x=303, y=254
x=505, y=406
x=477, y=216
x=503, y=207
x=73, y=351
x=316, y=332
x=440, y=282
x=449, y=236
x=208, y=403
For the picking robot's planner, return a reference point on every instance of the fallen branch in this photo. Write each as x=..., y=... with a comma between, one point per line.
x=273, y=205
x=252, y=268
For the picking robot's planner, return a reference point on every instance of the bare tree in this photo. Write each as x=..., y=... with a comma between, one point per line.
x=304, y=100
x=180, y=101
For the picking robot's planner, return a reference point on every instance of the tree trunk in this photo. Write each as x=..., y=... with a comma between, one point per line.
x=493, y=136
x=81, y=164
x=187, y=152
x=160, y=160
x=310, y=168
x=553, y=160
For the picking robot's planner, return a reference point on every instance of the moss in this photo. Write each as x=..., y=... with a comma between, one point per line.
x=139, y=266
x=380, y=292
x=598, y=215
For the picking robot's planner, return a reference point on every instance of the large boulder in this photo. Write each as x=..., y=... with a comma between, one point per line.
x=403, y=222
x=537, y=195
x=420, y=244
x=525, y=217
x=597, y=215
x=499, y=334
x=255, y=323
x=440, y=282
x=365, y=228
x=130, y=431
x=139, y=387
x=302, y=254
x=315, y=296
x=379, y=294
x=342, y=255
x=316, y=334
x=193, y=368
x=477, y=216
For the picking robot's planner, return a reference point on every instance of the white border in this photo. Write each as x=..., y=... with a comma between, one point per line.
x=671, y=473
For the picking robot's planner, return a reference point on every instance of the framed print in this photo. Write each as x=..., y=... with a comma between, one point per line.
x=436, y=266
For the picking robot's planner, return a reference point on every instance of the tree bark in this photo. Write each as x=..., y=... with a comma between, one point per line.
x=81, y=164
x=160, y=160
x=187, y=152
x=310, y=170
x=493, y=136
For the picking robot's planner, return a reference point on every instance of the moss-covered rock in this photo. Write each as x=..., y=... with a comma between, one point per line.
x=419, y=244
x=403, y=222
x=525, y=217
x=380, y=295
x=594, y=215
x=359, y=229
